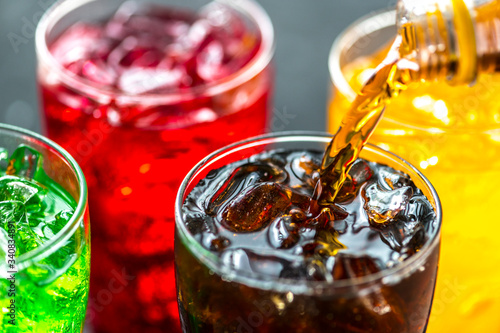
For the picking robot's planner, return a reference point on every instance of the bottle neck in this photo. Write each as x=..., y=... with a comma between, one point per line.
x=487, y=18
x=440, y=37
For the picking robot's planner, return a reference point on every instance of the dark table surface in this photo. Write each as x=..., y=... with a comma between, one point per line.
x=304, y=31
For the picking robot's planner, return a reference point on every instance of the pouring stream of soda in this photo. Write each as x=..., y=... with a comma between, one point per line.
x=387, y=81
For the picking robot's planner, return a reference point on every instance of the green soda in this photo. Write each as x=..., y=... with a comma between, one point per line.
x=44, y=278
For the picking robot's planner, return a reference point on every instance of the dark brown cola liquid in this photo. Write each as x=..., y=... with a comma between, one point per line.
x=260, y=218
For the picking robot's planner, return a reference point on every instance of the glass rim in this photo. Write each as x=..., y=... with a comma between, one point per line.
x=69, y=229
x=262, y=281
x=256, y=65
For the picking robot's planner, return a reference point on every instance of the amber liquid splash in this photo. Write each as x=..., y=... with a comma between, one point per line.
x=390, y=78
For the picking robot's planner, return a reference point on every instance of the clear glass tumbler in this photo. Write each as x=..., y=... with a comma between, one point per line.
x=215, y=298
x=137, y=123
x=452, y=134
x=45, y=263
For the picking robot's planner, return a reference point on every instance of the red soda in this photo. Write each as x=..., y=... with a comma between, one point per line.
x=138, y=99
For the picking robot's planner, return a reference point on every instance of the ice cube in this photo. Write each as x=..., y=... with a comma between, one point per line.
x=99, y=72
x=77, y=105
x=250, y=261
x=197, y=34
x=53, y=266
x=316, y=271
x=200, y=225
x=383, y=308
x=16, y=189
x=11, y=211
x=76, y=44
x=282, y=233
x=135, y=52
x=14, y=212
x=48, y=270
x=409, y=232
x=381, y=305
x=419, y=209
x=381, y=205
x=415, y=241
x=60, y=220
x=273, y=158
x=26, y=162
x=169, y=118
x=227, y=26
x=327, y=216
x=142, y=57
x=102, y=49
x=176, y=28
x=348, y=266
x=216, y=14
x=21, y=205
x=209, y=62
x=399, y=235
x=255, y=208
x=137, y=81
x=181, y=52
x=240, y=178
x=213, y=242
x=391, y=179
x=116, y=26
x=236, y=259
x=196, y=222
x=394, y=235
x=360, y=172
x=267, y=264
x=76, y=67
x=305, y=167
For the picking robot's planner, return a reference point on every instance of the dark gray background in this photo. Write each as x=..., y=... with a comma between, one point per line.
x=304, y=30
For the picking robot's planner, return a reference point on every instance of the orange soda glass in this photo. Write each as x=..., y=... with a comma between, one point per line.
x=452, y=134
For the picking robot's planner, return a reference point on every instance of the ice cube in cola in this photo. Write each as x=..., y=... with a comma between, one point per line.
x=290, y=263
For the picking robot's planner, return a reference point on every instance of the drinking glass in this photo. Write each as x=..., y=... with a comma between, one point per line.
x=46, y=289
x=135, y=148
x=215, y=298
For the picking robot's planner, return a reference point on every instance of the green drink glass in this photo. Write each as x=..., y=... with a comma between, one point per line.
x=44, y=236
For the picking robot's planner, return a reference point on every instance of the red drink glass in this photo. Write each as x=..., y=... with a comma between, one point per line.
x=139, y=94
